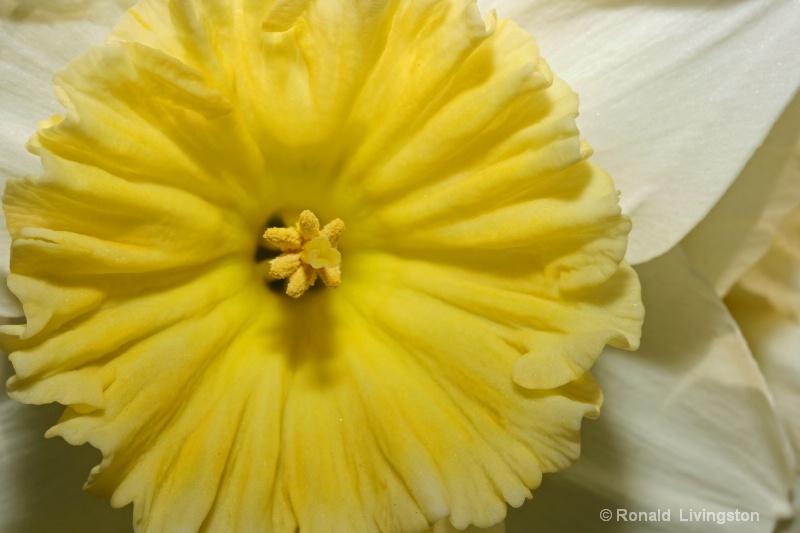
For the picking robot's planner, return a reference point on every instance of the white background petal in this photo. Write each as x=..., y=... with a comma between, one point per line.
x=766, y=304
x=792, y=526
x=34, y=44
x=740, y=228
x=687, y=424
x=775, y=340
x=675, y=96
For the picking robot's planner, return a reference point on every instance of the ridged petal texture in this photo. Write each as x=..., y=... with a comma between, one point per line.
x=482, y=266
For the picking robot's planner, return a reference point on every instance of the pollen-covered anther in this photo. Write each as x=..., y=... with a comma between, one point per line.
x=308, y=252
x=284, y=239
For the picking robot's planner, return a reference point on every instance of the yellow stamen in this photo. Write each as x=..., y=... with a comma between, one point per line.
x=285, y=239
x=299, y=282
x=332, y=231
x=331, y=277
x=284, y=266
x=308, y=252
x=308, y=225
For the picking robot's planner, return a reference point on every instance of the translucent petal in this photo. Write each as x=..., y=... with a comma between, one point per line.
x=774, y=337
x=740, y=228
x=766, y=303
x=776, y=277
x=676, y=99
x=688, y=423
x=793, y=525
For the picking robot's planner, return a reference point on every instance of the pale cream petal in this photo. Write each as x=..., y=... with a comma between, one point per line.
x=688, y=423
x=774, y=337
x=61, y=10
x=766, y=304
x=792, y=525
x=37, y=38
x=740, y=228
x=776, y=278
x=675, y=99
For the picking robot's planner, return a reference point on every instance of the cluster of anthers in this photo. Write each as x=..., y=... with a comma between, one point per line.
x=307, y=252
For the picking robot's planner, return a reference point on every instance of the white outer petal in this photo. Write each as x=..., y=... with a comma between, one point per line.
x=775, y=340
x=38, y=37
x=688, y=423
x=674, y=99
x=32, y=49
x=766, y=304
x=739, y=229
x=794, y=525
x=776, y=277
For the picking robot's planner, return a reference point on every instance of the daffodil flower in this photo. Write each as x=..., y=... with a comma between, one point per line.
x=445, y=366
x=680, y=447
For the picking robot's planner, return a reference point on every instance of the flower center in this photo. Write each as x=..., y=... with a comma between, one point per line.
x=308, y=252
